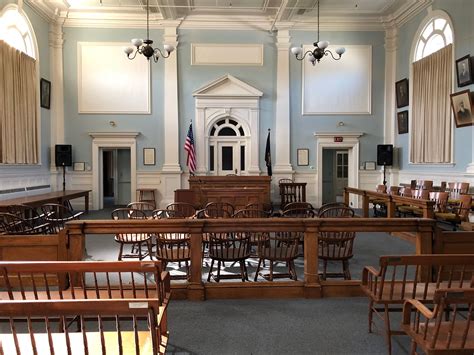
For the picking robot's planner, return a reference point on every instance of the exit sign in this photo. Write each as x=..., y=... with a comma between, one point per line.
x=338, y=139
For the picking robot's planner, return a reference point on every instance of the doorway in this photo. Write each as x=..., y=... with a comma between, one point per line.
x=335, y=174
x=116, y=177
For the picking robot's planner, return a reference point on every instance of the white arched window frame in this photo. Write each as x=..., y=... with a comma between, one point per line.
x=17, y=31
x=435, y=32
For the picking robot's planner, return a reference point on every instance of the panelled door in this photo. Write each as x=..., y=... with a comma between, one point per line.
x=228, y=158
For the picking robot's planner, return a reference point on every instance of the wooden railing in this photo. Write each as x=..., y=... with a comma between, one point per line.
x=390, y=201
x=311, y=286
x=292, y=192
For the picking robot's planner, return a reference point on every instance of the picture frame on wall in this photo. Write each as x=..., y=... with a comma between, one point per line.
x=370, y=165
x=303, y=157
x=45, y=93
x=464, y=73
x=401, y=90
x=402, y=119
x=462, y=105
x=79, y=166
x=149, y=156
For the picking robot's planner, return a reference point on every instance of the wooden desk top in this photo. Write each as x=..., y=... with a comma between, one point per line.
x=45, y=198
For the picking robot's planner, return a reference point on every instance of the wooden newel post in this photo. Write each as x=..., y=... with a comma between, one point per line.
x=195, y=285
x=312, y=286
x=346, y=197
x=365, y=205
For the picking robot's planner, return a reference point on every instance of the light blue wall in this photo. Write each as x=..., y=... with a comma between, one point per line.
x=77, y=126
x=41, y=29
x=304, y=127
x=193, y=77
x=460, y=12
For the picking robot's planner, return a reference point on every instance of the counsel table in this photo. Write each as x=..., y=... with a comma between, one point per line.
x=50, y=197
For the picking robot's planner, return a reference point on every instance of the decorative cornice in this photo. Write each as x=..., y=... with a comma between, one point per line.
x=114, y=134
x=56, y=35
x=338, y=134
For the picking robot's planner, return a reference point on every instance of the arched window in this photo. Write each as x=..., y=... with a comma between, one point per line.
x=15, y=29
x=436, y=34
x=431, y=85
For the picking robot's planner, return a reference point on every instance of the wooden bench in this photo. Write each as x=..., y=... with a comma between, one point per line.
x=436, y=335
x=138, y=327
x=412, y=277
x=84, y=280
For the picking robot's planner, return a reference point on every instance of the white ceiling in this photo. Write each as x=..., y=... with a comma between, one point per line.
x=269, y=14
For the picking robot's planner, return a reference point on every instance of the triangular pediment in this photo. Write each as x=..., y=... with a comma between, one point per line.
x=227, y=86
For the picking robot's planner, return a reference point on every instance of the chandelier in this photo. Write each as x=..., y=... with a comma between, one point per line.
x=145, y=46
x=319, y=51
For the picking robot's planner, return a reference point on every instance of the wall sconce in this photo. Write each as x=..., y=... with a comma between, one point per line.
x=340, y=124
x=112, y=123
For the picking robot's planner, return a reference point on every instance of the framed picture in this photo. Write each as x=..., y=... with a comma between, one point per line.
x=370, y=165
x=401, y=90
x=461, y=102
x=464, y=71
x=303, y=157
x=402, y=118
x=45, y=93
x=79, y=166
x=148, y=156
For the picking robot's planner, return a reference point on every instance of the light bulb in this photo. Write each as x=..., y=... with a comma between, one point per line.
x=296, y=50
x=340, y=51
x=128, y=50
x=168, y=47
x=137, y=42
x=311, y=58
x=323, y=44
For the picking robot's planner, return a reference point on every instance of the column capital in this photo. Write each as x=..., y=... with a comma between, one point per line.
x=56, y=35
x=170, y=36
x=391, y=38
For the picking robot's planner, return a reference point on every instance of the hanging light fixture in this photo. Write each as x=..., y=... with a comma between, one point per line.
x=319, y=51
x=145, y=46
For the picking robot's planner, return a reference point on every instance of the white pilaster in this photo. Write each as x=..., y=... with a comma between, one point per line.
x=282, y=117
x=170, y=102
x=56, y=41
x=391, y=46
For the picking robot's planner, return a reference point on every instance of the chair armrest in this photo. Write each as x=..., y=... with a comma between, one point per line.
x=411, y=304
x=369, y=272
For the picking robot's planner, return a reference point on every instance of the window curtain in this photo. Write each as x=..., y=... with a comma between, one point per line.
x=18, y=107
x=431, y=112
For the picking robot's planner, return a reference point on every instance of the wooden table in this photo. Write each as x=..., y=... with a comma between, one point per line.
x=50, y=197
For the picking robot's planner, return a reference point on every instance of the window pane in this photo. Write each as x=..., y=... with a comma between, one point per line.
x=439, y=23
x=339, y=172
x=241, y=130
x=227, y=131
x=211, y=158
x=339, y=159
x=419, y=51
x=213, y=130
x=345, y=172
x=242, y=158
x=427, y=31
x=448, y=33
x=435, y=43
x=346, y=157
x=232, y=122
x=227, y=158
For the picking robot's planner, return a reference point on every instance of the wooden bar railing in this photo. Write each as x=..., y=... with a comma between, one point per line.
x=310, y=287
x=390, y=200
x=292, y=192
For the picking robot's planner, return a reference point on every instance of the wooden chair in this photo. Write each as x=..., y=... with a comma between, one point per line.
x=447, y=327
x=336, y=246
x=456, y=189
x=379, y=205
x=30, y=214
x=232, y=247
x=457, y=214
x=278, y=247
x=293, y=205
x=57, y=215
x=422, y=194
x=184, y=208
x=13, y=224
x=138, y=327
x=405, y=192
x=144, y=206
x=441, y=202
x=137, y=239
x=330, y=205
x=298, y=213
x=218, y=210
x=424, y=185
x=250, y=213
x=267, y=207
x=164, y=213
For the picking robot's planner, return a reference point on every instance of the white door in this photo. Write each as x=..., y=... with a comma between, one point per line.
x=228, y=158
x=342, y=173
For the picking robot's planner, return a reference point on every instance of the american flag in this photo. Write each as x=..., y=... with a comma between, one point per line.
x=189, y=148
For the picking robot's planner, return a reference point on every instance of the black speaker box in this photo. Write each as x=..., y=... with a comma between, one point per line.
x=385, y=154
x=63, y=155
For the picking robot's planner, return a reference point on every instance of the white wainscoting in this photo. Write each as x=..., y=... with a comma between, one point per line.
x=30, y=182
x=226, y=54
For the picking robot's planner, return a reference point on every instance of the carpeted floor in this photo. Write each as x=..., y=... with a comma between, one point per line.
x=294, y=326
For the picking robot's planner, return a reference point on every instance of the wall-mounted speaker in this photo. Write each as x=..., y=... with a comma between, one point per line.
x=63, y=155
x=385, y=154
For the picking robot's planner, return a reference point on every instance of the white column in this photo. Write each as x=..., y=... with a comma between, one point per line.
x=56, y=70
x=281, y=134
x=170, y=102
x=171, y=171
x=390, y=116
x=201, y=144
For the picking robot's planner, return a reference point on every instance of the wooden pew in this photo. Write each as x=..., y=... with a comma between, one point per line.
x=84, y=280
x=449, y=242
x=434, y=335
x=138, y=327
x=417, y=277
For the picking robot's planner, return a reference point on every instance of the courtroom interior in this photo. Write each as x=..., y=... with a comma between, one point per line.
x=236, y=176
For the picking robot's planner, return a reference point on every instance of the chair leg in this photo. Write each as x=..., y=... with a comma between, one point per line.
x=325, y=268
x=148, y=244
x=258, y=269
x=413, y=348
x=388, y=332
x=347, y=272
x=218, y=271
x=242, y=270
x=292, y=268
x=371, y=315
x=270, y=278
x=140, y=251
x=120, y=252
x=186, y=264
x=210, y=271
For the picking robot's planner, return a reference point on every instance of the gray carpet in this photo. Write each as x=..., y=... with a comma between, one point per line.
x=295, y=326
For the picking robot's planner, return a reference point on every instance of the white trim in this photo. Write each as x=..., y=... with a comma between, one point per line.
x=227, y=54
x=430, y=16
x=101, y=140
x=350, y=142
